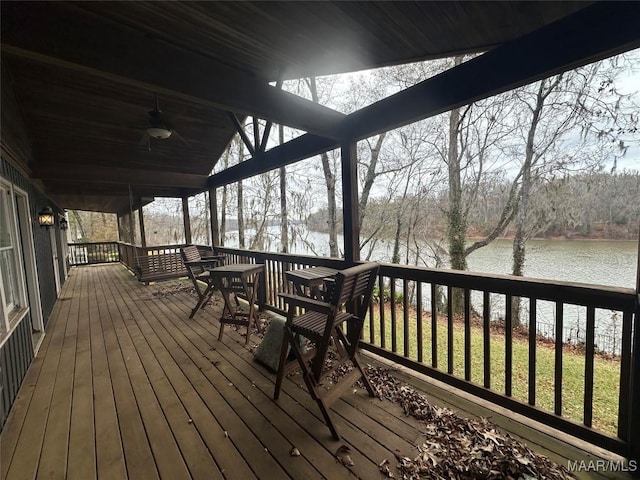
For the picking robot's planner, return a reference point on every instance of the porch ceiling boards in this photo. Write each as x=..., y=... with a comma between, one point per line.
x=85, y=73
x=125, y=386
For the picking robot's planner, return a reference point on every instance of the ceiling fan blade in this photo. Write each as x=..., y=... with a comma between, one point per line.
x=144, y=140
x=180, y=137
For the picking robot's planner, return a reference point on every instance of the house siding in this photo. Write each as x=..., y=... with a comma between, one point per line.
x=16, y=347
x=16, y=355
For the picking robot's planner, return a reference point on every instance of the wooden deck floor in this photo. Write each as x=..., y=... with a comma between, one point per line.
x=125, y=386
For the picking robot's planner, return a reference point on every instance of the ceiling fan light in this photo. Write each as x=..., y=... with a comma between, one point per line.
x=159, y=132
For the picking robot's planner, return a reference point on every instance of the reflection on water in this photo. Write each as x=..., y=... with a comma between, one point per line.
x=601, y=262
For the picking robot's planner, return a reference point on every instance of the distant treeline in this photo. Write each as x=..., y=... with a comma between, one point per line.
x=596, y=205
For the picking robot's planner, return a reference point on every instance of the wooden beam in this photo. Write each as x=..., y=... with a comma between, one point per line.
x=95, y=174
x=350, y=211
x=593, y=33
x=55, y=34
x=77, y=189
x=243, y=135
x=297, y=149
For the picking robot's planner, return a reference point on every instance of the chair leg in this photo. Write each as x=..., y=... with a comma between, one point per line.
x=327, y=419
x=197, y=307
x=367, y=384
x=351, y=351
x=284, y=350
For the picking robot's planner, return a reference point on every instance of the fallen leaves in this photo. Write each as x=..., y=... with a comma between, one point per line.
x=457, y=447
x=343, y=455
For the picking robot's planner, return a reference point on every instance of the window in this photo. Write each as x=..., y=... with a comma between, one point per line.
x=12, y=289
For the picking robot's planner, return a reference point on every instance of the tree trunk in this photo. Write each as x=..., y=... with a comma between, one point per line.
x=456, y=217
x=79, y=224
x=396, y=242
x=370, y=177
x=522, y=216
x=330, y=180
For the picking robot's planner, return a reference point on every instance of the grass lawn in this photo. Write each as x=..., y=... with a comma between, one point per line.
x=606, y=370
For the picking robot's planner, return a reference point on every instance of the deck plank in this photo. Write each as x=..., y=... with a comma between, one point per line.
x=110, y=458
x=367, y=453
x=167, y=456
x=53, y=458
x=121, y=373
x=82, y=460
x=136, y=447
x=258, y=453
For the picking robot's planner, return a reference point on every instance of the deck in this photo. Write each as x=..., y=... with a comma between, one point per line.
x=124, y=386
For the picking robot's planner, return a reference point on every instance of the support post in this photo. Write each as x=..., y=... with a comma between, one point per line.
x=132, y=232
x=213, y=210
x=143, y=236
x=634, y=400
x=186, y=220
x=350, y=213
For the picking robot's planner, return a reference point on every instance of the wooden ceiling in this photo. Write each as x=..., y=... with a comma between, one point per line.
x=84, y=76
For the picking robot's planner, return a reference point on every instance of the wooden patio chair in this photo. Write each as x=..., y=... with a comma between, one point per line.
x=198, y=268
x=347, y=300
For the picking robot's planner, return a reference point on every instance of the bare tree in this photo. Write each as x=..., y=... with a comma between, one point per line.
x=330, y=181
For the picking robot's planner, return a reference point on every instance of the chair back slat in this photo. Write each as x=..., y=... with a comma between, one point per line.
x=190, y=253
x=355, y=283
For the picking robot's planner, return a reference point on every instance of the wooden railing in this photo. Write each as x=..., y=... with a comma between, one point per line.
x=413, y=321
x=456, y=326
x=95, y=252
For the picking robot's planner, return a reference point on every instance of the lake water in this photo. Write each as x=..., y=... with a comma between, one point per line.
x=598, y=262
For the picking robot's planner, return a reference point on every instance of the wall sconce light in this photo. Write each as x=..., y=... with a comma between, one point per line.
x=63, y=223
x=46, y=218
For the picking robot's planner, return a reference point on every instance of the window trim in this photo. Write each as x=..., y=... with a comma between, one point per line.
x=8, y=319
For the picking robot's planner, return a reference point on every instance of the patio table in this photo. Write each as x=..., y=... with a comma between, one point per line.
x=309, y=281
x=234, y=279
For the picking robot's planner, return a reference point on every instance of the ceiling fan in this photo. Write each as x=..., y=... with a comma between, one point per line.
x=157, y=128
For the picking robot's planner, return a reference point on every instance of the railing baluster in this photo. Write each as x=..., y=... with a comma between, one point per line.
x=532, y=350
x=557, y=384
x=372, y=306
x=449, y=329
x=434, y=325
x=419, y=319
x=508, y=345
x=383, y=330
x=588, y=366
x=467, y=334
x=394, y=325
x=405, y=313
x=486, y=340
